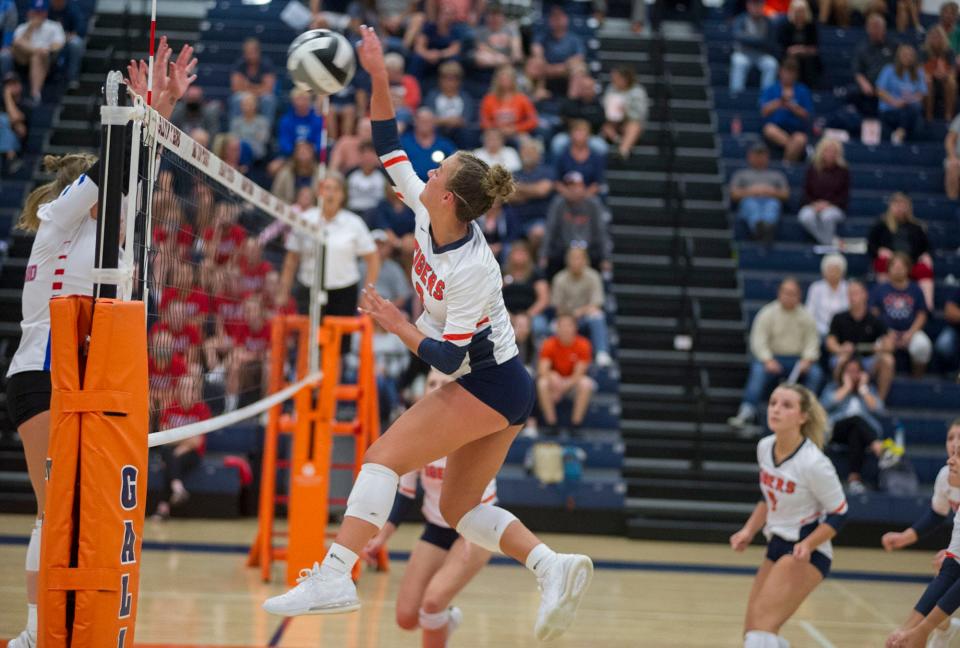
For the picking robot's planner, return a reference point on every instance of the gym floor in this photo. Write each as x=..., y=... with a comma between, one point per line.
x=196, y=591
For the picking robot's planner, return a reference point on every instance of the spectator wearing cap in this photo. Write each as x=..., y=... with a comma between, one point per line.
x=496, y=151
x=784, y=344
x=579, y=157
x=583, y=103
x=527, y=209
x=423, y=146
x=36, y=44
x=554, y=55
x=759, y=193
x=13, y=123
x=453, y=107
x=900, y=304
x=578, y=290
x=505, y=107
x=786, y=108
x=8, y=24
x=574, y=217
x=562, y=372
x=754, y=47
x=826, y=192
x=255, y=74
x=497, y=41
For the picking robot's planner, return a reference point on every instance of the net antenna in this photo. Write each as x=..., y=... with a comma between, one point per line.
x=318, y=291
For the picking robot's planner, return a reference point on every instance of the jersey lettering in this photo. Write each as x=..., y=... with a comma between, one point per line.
x=772, y=499
x=438, y=293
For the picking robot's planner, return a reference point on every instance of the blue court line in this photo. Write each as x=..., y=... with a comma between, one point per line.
x=613, y=565
x=275, y=639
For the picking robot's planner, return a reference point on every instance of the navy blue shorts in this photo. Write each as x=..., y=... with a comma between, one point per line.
x=507, y=388
x=439, y=536
x=778, y=547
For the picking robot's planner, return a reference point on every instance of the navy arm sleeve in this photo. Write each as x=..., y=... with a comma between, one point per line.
x=401, y=508
x=836, y=520
x=386, y=137
x=928, y=522
x=445, y=356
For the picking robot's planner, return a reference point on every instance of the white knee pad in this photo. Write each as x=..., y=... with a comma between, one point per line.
x=434, y=620
x=920, y=348
x=33, y=548
x=760, y=639
x=372, y=495
x=484, y=524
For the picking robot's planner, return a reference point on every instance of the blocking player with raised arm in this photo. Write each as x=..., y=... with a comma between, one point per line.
x=441, y=563
x=465, y=332
x=939, y=601
x=62, y=216
x=802, y=509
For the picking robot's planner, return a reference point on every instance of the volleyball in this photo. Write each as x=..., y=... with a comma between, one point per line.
x=322, y=61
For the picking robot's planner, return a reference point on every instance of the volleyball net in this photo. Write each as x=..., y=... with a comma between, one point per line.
x=192, y=330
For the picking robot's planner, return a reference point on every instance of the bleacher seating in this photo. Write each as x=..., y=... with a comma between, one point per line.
x=922, y=407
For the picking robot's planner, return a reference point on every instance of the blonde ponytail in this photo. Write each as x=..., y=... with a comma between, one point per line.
x=67, y=169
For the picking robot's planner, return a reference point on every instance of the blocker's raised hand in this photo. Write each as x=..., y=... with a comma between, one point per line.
x=370, y=52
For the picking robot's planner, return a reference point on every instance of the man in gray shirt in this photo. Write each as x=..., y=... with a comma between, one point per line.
x=576, y=218
x=759, y=193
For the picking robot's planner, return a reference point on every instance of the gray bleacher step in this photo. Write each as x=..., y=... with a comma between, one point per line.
x=698, y=509
x=643, y=239
x=694, y=489
x=700, y=358
x=676, y=291
x=640, y=528
x=638, y=430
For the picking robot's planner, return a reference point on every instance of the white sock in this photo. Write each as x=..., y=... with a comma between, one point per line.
x=32, y=619
x=760, y=639
x=539, y=559
x=339, y=560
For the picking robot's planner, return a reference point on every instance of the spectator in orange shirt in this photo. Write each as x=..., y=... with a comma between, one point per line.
x=564, y=361
x=505, y=108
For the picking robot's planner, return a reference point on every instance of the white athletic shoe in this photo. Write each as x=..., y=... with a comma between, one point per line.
x=316, y=593
x=561, y=589
x=456, y=618
x=942, y=638
x=23, y=640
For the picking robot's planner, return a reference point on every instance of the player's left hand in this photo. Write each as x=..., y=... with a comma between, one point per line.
x=384, y=312
x=801, y=551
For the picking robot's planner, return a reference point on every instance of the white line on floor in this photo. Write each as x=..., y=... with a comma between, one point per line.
x=816, y=634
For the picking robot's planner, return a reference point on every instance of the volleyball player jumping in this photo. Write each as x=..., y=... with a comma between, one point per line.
x=62, y=216
x=464, y=331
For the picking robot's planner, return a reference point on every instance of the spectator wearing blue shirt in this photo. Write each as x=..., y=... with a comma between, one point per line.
x=69, y=14
x=453, y=107
x=900, y=305
x=786, y=108
x=901, y=88
x=425, y=149
x=527, y=210
x=8, y=24
x=553, y=56
x=255, y=74
x=300, y=123
x=579, y=157
x=438, y=42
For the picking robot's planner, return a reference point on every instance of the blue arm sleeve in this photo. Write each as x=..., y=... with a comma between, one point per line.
x=386, y=138
x=836, y=520
x=401, y=507
x=445, y=356
x=928, y=522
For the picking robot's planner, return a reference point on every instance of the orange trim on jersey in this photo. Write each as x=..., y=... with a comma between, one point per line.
x=399, y=195
x=489, y=499
x=396, y=160
x=457, y=336
x=406, y=491
x=842, y=506
x=950, y=554
x=483, y=321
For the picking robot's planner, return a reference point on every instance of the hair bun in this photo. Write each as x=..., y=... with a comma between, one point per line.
x=498, y=184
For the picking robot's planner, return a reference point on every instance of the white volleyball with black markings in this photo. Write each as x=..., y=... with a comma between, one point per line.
x=322, y=61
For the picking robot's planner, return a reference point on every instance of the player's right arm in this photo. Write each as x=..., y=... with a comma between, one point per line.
x=742, y=538
x=386, y=138
x=926, y=523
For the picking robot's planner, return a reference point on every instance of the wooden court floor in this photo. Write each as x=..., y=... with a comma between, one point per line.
x=195, y=591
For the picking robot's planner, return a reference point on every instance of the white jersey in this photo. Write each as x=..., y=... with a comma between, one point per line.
x=800, y=491
x=431, y=478
x=459, y=284
x=946, y=500
x=61, y=263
